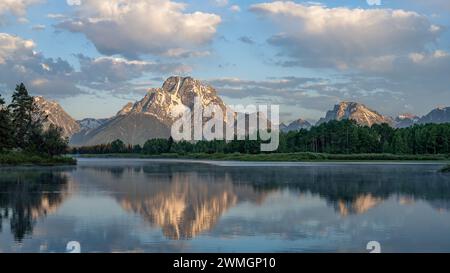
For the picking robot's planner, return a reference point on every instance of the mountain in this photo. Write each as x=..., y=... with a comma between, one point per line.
x=357, y=112
x=438, y=115
x=152, y=116
x=295, y=125
x=91, y=123
x=87, y=125
x=57, y=116
x=406, y=120
x=135, y=128
x=175, y=93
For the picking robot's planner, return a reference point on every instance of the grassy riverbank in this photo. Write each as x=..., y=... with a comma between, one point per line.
x=291, y=157
x=19, y=158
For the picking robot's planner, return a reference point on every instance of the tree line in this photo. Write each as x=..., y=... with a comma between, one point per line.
x=334, y=137
x=22, y=127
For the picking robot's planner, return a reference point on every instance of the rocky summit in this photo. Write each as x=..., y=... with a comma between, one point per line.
x=152, y=116
x=357, y=112
x=57, y=116
x=295, y=125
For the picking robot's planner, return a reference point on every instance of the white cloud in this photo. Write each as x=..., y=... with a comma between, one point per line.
x=20, y=62
x=345, y=38
x=135, y=27
x=57, y=16
x=235, y=8
x=16, y=7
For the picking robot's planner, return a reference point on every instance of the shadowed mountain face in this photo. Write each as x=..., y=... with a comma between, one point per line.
x=438, y=115
x=295, y=125
x=28, y=196
x=57, y=116
x=357, y=112
x=134, y=128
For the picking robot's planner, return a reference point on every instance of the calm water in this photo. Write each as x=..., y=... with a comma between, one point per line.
x=180, y=206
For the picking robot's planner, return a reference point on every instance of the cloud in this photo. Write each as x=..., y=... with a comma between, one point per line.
x=344, y=38
x=117, y=74
x=301, y=91
x=73, y=2
x=374, y=2
x=16, y=7
x=235, y=8
x=183, y=53
x=221, y=3
x=383, y=57
x=57, y=16
x=135, y=27
x=20, y=62
x=246, y=40
x=38, y=27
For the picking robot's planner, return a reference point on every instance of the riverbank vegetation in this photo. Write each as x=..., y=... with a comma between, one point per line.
x=24, y=138
x=335, y=140
x=23, y=158
x=276, y=157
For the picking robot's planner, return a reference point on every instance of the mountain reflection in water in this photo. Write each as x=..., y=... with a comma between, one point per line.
x=188, y=200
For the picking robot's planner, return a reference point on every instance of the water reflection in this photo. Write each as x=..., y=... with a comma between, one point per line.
x=185, y=200
x=151, y=206
x=28, y=195
x=182, y=200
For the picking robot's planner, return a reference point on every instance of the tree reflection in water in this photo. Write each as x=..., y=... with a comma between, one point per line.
x=185, y=200
x=27, y=195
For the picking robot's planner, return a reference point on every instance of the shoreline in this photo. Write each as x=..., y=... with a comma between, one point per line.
x=292, y=157
x=18, y=159
x=229, y=163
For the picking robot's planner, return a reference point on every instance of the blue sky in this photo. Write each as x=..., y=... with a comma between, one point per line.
x=94, y=56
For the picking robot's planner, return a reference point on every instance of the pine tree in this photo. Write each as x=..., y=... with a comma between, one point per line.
x=399, y=145
x=27, y=119
x=5, y=126
x=53, y=141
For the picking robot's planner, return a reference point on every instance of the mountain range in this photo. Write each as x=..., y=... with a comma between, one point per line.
x=357, y=112
x=295, y=125
x=152, y=116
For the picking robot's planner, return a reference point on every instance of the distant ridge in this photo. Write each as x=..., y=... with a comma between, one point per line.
x=295, y=125
x=357, y=112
